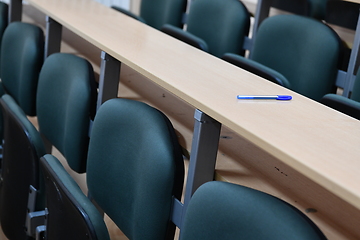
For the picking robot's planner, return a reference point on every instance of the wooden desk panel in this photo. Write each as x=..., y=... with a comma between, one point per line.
x=315, y=140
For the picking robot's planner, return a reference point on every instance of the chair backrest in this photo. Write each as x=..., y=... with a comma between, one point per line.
x=20, y=168
x=71, y=213
x=222, y=24
x=302, y=49
x=349, y=106
x=65, y=99
x=135, y=168
x=64, y=96
x=221, y=210
x=22, y=54
x=159, y=12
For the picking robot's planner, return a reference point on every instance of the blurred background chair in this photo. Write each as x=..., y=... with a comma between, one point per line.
x=349, y=106
x=135, y=170
x=156, y=13
x=343, y=16
x=303, y=50
x=21, y=58
x=221, y=210
x=65, y=97
x=311, y=8
x=215, y=26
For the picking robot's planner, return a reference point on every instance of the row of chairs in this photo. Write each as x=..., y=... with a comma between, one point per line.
x=297, y=52
x=132, y=159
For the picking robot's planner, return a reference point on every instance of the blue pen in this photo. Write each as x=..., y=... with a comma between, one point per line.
x=276, y=97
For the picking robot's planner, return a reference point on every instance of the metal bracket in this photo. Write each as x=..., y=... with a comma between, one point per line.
x=53, y=37
x=203, y=154
x=349, y=81
x=177, y=212
x=15, y=10
x=109, y=78
x=40, y=232
x=33, y=219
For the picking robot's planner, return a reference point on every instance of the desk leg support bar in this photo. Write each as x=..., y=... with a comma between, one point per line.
x=15, y=10
x=53, y=36
x=203, y=153
x=109, y=78
x=350, y=75
x=262, y=12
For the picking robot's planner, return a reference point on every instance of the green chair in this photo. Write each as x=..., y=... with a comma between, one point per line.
x=344, y=14
x=22, y=56
x=135, y=171
x=304, y=51
x=349, y=106
x=70, y=214
x=311, y=8
x=23, y=148
x=214, y=26
x=66, y=93
x=66, y=102
x=156, y=13
x=221, y=210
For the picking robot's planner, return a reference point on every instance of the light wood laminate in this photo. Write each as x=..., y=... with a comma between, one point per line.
x=315, y=140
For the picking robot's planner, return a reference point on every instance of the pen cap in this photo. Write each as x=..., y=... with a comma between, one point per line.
x=283, y=97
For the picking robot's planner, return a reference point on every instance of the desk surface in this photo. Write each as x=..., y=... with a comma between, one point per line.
x=355, y=1
x=315, y=140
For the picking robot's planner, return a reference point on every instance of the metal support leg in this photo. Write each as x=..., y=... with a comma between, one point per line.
x=53, y=36
x=262, y=12
x=15, y=10
x=109, y=78
x=203, y=154
x=349, y=80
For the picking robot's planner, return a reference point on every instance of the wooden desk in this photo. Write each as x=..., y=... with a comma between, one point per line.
x=354, y=1
x=317, y=141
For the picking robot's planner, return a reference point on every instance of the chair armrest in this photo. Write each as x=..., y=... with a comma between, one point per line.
x=184, y=36
x=342, y=104
x=130, y=14
x=257, y=68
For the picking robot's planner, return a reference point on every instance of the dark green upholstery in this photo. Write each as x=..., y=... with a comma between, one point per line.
x=221, y=24
x=221, y=210
x=355, y=92
x=342, y=104
x=349, y=106
x=311, y=8
x=22, y=149
x=186, y=37
x=71, y=213
x=156, y=13
x=257, y=68
x=134, y=168
x=66, y=94
x=305, y=51
x=22, y=53
x=317, y=8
